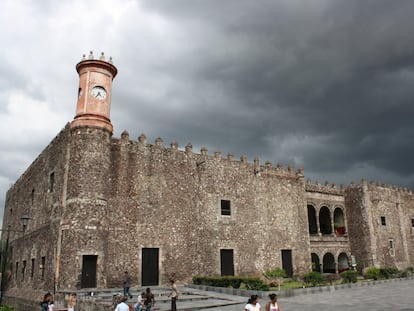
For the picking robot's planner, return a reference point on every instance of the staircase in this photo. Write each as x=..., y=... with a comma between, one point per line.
x=189, y=299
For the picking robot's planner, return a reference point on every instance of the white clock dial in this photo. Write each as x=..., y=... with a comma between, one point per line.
x=98, y=92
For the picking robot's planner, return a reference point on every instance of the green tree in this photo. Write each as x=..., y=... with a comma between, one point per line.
x=277, y=274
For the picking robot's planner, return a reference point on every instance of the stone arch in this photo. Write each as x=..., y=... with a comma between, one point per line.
x=329, y=265
x=325, y=222
x=339, y=221
x=343, y=262
x=316, y=263
x=313, y=226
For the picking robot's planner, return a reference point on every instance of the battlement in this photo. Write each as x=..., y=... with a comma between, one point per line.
x=258, y=169
x=376, y=184
x=326, y=187
x=101, y=58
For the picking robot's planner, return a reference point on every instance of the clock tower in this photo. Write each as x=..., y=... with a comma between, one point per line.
x=94, y=94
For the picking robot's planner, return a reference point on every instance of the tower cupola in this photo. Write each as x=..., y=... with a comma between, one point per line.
x=94, y=94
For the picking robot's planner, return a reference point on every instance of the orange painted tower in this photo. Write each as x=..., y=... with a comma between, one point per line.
x=94, y=94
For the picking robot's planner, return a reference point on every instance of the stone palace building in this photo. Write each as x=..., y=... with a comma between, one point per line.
x=100, y=205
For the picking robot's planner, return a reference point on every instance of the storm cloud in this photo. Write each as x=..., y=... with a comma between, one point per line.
x=326, y=85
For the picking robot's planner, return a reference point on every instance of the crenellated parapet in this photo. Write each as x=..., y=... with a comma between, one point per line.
x=326, y=187
x=377, y=184
x=259, y=170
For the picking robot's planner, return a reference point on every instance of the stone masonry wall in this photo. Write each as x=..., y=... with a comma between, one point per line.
x=170, y=199
x=34, y=195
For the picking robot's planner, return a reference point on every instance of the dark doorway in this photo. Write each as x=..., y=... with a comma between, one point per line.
x=287, y=262
x=226, y=262
x=150, y=269
x=89, y=271
x=316, y=264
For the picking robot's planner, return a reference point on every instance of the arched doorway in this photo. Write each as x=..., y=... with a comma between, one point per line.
x=316, y=264
x=325, y=220
x=343, y=262
x=329, y=263
x=339, y=221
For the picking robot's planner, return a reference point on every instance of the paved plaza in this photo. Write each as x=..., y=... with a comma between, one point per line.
x=395, y=295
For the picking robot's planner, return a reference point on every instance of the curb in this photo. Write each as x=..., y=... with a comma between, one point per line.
x=292, y=292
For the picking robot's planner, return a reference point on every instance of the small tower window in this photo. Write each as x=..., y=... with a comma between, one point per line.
x=391, y=246
x=225, y=208
x=383, y=222
x=33, y=268
x=23, y=269
x=32, y=196
x=42, y=267
x=412, y=222
x=51, y=181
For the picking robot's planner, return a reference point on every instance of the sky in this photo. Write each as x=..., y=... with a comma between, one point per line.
x=326, y=85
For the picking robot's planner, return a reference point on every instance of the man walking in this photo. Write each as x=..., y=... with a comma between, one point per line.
x=127, y=284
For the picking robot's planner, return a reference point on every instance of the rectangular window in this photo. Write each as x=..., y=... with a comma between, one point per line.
x=51, y=181
x=32, y=196
x=17, y=270
x=383, y=221
x=33, y=267
x=412, y=222
x=42, y=267
x=391, y=246
x=225, y=208
x=23, y=269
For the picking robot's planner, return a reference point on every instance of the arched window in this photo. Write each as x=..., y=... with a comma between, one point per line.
x=316, y=264
x=339, y=221
x=325, y=220
x=329, y=263
x=343, y=262
x=313, y=227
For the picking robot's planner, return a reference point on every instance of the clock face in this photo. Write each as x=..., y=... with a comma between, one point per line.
x=98, y=92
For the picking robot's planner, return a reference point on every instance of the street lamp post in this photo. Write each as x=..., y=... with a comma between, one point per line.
x=24, y=221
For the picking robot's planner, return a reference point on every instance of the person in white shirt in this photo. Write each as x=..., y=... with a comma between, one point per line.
x=174, y=296
x=122, y=306
x=253, y=304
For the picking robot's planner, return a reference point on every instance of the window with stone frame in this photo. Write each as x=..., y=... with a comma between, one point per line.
x=391, y=246
x=383, y=222
x=412, y=222
x=33, y=268
x=42, y=267
x=51, y=181
x=23, y=270
x=225, y=207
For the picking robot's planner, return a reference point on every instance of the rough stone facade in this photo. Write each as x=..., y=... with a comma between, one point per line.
x=101, y=205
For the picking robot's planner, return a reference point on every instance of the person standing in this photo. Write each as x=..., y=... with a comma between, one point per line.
x=72, y=302
x=127, y=284
x=44, y=305
x=273, y=305
x=253, y=304
x=140, y=302
x=174, y=296
x=149, y=301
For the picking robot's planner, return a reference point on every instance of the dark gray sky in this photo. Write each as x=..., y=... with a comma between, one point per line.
x=323, y=84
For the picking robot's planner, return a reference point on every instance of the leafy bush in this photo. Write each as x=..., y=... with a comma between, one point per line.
x=372, y=273
x=387, y=273
x=255, y=284
x=350, y=276
x=313, y=278
x=231, y=281
x=6, y=308
x=276, y=273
